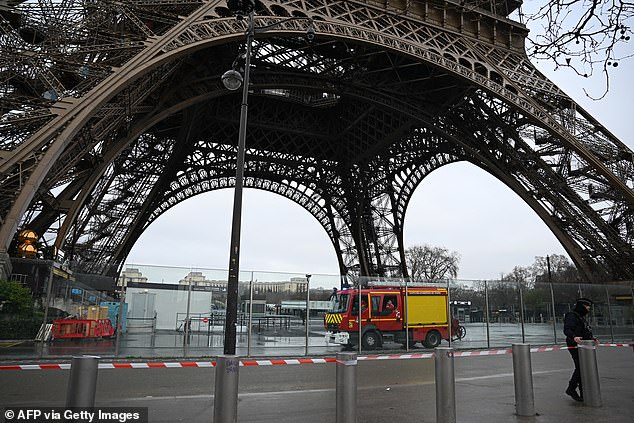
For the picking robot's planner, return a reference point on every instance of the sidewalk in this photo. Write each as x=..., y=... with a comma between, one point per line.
x=482, y=398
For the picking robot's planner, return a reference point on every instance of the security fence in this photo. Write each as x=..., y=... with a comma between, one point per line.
x=161, y=311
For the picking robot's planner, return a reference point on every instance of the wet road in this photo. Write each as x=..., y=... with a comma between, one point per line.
x=388, y=390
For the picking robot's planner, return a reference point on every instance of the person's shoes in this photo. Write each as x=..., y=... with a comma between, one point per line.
x=573, y=394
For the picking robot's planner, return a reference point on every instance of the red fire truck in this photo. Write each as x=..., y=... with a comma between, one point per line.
x=388, y=313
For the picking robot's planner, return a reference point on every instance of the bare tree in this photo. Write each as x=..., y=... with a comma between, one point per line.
x=584, y=35
x=431, y=263
x=520, y=276
x=561, y=269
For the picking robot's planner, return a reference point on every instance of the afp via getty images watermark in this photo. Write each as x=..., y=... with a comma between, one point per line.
x=76, y=415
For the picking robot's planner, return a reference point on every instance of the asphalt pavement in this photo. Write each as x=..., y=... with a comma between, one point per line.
x=389, y=390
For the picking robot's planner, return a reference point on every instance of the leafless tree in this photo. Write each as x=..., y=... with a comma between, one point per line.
x=431, y=263
x=520, y=276
x=561, y=269
x=584, y=35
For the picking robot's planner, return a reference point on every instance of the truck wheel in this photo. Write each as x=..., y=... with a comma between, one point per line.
x=432, y=340
x=371, y=340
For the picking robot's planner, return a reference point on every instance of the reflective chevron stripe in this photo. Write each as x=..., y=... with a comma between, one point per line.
x=333, y=318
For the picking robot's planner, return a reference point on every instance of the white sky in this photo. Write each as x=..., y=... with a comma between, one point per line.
x=458, y=206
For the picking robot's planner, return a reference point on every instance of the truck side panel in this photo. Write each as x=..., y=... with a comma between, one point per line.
x=426, y=309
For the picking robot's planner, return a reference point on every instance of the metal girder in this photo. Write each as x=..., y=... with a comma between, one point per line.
x=346, y=126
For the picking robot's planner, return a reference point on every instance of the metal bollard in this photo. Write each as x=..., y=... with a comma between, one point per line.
x=226, y=389
x=82, y=383
x=445, y=385
x=346, y=387
x=523, y=378
x=589, y=374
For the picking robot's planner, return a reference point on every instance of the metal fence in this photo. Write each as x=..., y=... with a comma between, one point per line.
x=180, y=312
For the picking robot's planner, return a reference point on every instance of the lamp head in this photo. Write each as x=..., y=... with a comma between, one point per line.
x=232, y=79
x=310, y=32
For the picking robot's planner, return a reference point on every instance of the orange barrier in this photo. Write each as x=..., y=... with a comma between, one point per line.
x=74, y=328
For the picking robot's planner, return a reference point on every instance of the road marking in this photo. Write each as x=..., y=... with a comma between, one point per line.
x=499, y=375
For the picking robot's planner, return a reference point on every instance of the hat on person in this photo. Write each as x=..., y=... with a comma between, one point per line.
x=584, y=301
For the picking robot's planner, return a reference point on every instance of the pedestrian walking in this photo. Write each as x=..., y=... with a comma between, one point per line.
x=576, y=329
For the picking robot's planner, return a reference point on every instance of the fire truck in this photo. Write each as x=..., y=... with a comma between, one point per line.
x=388, y=313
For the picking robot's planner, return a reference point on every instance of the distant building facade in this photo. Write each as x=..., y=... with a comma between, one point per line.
x=198, y=280
x=131, y=275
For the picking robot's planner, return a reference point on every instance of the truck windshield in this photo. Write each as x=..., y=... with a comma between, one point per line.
x=339, y=303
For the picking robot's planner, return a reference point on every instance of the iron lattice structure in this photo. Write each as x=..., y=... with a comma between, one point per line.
x=113, y=112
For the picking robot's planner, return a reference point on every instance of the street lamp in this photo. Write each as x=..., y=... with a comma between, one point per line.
x=232, y=81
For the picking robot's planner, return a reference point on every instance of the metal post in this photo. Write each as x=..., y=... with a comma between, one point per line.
x=49, y=288
x=226, y=389
x=234, y=249
x=250, y=315
x=450, y=317
x=552, y=300
x=523, y=378
x=187, y=318
x=307, y=317
x=486, y=313
x=360, y=314
x=346, y=387
x=120, y=318
x=522, y=313
x=632, y=290
x=406, y=316
x=589, y=373
x=607, y=297
x=445, y=385
x=82, y=383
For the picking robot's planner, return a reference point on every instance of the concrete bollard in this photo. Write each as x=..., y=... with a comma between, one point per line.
x=445, y=385
x=82, y=383
x=523, y=378
x=589, y=374
x=346, y=387
x=226, y=389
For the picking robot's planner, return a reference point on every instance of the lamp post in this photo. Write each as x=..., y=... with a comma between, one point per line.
x=232, y=81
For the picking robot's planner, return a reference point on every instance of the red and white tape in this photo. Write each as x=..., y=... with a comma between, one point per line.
x=277, y=362
x=170, y=365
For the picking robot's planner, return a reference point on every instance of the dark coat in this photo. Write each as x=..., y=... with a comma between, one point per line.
x=575, y=324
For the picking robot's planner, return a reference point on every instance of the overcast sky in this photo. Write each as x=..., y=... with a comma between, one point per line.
x=458, y=207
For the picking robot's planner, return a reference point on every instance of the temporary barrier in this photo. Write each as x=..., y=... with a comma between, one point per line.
x=72, y=328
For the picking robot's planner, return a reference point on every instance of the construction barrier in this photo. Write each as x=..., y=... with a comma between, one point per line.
x=75, y=328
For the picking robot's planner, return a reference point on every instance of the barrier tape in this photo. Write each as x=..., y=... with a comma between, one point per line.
x=277, y=362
